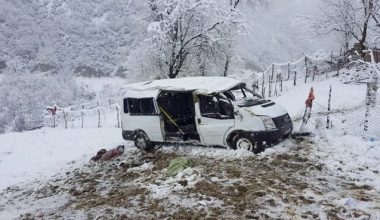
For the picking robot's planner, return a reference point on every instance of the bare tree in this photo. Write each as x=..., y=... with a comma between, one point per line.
x=352, y=18
x=185, y=29
x=233, y=6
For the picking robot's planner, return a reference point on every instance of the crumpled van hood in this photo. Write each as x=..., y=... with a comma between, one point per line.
x=270, y=109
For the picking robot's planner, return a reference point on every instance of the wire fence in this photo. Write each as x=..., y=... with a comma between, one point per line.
x=86, y=115
x=274, y=81
x=280, y=76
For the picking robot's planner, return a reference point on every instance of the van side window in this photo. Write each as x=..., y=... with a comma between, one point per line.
x=147, y=106
x=213, y=107
x=133, y=105
x=142, y=106
x=207, y=105
x=125, y=104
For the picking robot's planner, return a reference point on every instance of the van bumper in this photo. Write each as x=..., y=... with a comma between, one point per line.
x=273, y=136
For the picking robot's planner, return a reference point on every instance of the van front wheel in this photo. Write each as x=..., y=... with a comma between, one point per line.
x=246, y=142
x=142, y=141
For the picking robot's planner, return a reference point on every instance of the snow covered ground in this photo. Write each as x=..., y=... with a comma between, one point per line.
x=344, y=96
x=42, y=153
x=334, y=174
x=346, y=149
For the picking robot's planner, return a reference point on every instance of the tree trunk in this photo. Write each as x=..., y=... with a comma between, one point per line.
x=226, y=66
x=201, y=65
x=368, y=13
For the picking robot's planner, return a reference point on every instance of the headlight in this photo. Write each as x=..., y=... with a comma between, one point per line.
x=268, y=122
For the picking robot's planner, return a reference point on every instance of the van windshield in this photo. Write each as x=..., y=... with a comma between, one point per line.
x=244, y=97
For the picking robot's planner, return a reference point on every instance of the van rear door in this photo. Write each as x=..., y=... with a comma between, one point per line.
x=215, y=116
x=142, y=114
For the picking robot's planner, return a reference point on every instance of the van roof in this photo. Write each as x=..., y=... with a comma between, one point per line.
x=205, y=85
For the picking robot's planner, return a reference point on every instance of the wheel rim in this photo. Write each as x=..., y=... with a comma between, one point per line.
x=140, y=142
x=244, y=143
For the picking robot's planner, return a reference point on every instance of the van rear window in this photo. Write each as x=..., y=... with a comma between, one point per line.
x=142, y=106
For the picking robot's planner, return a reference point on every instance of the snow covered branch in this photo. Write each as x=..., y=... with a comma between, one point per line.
x=186, y=29
x=353, y=20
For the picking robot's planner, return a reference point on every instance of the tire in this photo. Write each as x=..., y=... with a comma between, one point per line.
x=142, y=141
x=247, y=142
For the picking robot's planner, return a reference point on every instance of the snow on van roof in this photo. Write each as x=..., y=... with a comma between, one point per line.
x=204, y=85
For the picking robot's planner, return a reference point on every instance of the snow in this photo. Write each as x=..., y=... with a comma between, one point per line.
x=103, y=87
x=202, y=84
x=28, y=155
x=353, y=157
x=346, y=151
x=42, y=153
x=344, y=96
x=47, y=204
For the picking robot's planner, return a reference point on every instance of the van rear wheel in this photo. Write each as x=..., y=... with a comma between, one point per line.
x=142, y=141
x=246, y=142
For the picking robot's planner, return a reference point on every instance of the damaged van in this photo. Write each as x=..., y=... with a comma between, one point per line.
x=211, y=111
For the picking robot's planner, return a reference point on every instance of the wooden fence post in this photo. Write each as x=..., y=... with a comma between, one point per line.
x=272, y=71
x=328, y=110
x=270, y=87
x=337, y=72
x=118, y=116
x=262, y=87
x=264, y=92
x=64, y=118
x=255, y=86
x=331, y=62
x=82, y=114
x=306, y=69
x=275, y=86
x=288, y=72
x=295, y=78
x=98, y=117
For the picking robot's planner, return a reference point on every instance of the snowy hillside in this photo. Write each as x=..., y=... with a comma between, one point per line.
x=48, y=41
x=95, y=38
x=333, y=174
x=235, y=109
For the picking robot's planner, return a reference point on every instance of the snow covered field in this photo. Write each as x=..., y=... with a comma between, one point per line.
x=42, y=153
x=334, y=174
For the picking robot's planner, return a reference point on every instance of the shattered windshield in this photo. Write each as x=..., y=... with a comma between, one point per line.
x=243, y=97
